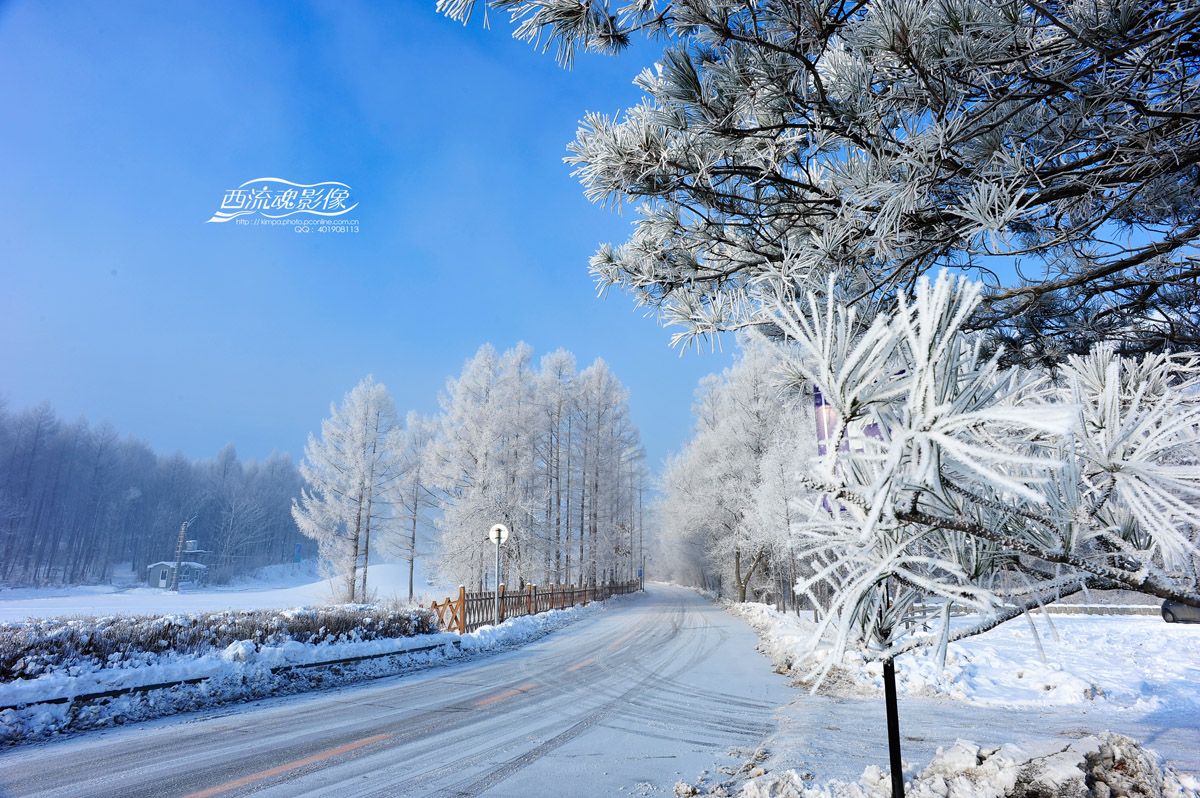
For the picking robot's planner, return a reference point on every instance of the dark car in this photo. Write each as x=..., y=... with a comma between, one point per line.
x=1174, y=612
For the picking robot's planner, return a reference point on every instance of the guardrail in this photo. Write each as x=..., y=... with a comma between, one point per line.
x=1102, y=609
x=469, y=611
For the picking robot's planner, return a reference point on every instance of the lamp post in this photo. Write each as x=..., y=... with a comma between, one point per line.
x=498, y=534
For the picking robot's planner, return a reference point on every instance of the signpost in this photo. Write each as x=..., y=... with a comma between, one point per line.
x=498, y=534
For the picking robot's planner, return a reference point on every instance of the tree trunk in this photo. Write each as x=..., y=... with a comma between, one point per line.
x=412, y=552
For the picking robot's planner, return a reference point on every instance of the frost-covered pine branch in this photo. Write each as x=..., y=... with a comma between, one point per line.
x=778, y=143
x=987, y=489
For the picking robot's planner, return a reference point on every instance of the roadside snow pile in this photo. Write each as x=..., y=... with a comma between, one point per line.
x=518, y=631
x=1127, y=661
x=258, y=665
x=1104, y=766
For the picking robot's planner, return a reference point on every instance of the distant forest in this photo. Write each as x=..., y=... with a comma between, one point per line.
x=77, y=500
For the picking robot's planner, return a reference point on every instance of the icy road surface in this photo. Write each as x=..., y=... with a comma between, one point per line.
x=627, y=701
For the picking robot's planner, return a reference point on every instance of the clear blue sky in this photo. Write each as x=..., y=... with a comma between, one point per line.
x=124, y=123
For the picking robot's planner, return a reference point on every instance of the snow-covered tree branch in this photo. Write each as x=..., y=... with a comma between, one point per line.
x=966, y=485
x=784, y=141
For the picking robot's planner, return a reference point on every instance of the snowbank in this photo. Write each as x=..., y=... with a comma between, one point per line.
x=1134, y=662
x=1104, y=766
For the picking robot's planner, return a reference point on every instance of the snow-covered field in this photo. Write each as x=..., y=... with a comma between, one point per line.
x=243, y=670
x=279, y=586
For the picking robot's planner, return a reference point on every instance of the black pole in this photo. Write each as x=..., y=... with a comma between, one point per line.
x=893, y=724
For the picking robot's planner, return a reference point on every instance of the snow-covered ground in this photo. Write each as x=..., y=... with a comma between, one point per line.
x=279, y=586
x=969, y=729
x=1135, y=675
x=1134, y=662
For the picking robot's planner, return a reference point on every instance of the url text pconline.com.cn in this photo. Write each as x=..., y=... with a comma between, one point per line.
x=305, y=225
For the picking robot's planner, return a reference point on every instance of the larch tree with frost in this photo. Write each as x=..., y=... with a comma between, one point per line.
x=473, y=458
x=351, y=472
x=552, y=454
x=413, y=494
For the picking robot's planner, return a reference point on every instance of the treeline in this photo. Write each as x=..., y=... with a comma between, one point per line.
x=77, y=500
x=548, y=451
x=728, y=500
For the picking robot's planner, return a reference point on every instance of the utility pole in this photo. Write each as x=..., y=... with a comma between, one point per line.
x=179, y=554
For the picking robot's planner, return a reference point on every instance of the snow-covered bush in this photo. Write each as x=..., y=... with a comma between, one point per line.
x=30, y=648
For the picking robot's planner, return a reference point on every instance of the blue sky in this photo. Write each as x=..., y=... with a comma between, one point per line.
x=125, y=123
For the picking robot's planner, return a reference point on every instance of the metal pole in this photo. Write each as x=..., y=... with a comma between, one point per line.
x=893, y=727
x=497, y=586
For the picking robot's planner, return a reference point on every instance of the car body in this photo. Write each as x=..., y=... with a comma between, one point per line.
x=1174, y=612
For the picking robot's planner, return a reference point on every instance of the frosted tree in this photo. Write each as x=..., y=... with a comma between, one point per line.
x=552, y=454
x=781, y=142
x=775, y=505
x=948, y=480
x=469, y=452
x=350, y=473
x=608, y=446
x=237, y=521
x=556, y=391
x=413, y=491
x=712, y=488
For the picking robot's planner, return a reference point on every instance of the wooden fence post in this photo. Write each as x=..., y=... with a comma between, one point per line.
x=501, y=602
x=529, y=599
x=462, y=610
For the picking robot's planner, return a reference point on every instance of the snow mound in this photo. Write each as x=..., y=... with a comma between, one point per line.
x=1104, y=766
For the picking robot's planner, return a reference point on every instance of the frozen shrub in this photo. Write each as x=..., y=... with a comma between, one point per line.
x=30, y=648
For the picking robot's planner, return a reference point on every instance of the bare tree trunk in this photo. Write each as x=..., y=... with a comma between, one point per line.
x=412, y=552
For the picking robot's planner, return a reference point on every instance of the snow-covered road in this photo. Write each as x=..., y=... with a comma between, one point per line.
x=627, y=701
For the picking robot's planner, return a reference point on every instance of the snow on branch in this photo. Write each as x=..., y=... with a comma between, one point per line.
x=981, y=489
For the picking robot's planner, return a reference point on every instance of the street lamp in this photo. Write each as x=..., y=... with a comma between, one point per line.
x=498, y=534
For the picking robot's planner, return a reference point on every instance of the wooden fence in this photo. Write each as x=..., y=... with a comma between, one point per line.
x=469, y=611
